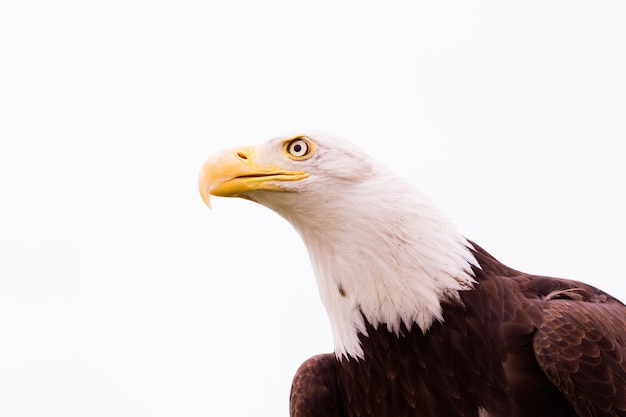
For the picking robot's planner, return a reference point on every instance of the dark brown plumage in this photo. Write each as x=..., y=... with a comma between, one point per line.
x=519, y=345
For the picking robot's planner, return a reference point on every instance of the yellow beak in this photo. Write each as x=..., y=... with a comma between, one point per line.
x=232, y=172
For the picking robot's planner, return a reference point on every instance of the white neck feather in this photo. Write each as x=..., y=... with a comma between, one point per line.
x=382, y=252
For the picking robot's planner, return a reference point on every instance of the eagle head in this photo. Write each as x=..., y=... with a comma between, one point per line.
x=380, y=250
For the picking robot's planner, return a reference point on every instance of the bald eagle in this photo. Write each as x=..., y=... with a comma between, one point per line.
x=424, y=321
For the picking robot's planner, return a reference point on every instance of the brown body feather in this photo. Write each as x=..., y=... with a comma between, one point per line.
x=517, y=345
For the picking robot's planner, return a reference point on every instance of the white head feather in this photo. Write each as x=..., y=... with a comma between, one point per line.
x=380, y=250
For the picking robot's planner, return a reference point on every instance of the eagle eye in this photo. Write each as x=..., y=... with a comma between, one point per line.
x=299, y=148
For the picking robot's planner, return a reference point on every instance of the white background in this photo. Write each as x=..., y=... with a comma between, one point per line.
x=122, y=294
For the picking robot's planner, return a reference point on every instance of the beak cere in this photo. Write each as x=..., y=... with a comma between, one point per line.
x=232, y=172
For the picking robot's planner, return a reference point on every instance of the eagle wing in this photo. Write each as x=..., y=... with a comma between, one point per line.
x=581, y=347
x=314, y=391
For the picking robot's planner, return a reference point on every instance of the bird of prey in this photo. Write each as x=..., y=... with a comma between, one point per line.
x=425, y=322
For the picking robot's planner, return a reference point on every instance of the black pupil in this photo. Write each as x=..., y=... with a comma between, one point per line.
x=297, y=148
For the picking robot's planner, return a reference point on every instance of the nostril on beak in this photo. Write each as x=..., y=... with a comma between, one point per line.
x=242, y=155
